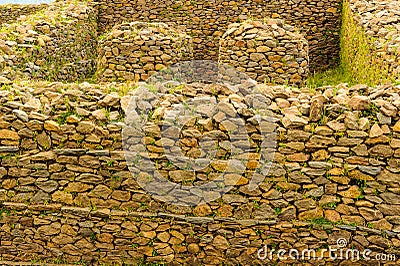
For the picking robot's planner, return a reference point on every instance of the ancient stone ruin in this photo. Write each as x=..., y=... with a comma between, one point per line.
x=21, y=55
x=71, y=194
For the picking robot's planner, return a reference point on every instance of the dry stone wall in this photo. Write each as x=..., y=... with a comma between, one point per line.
x=206, y=21
x=56, y=43
x=269, y=51
x=68, y=195
x=11, y=12
x=134, y=51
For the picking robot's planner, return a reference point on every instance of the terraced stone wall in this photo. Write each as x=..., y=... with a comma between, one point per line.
x=67, y=193
x=206, y=21
x=56, y=43
x=9, y=13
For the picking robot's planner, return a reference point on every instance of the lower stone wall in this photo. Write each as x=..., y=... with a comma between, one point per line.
x=370, y=42
x=56, y=43
x=43, y=234
x=67, y=193
x=268, y=51
x=9, y=13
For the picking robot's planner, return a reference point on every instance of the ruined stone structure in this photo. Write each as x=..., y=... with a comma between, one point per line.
x=68, y=195
x=11, y=12
x=57, y=43
x=206, y=21
x=73, y=55
x=135, y=51
x=268, y=52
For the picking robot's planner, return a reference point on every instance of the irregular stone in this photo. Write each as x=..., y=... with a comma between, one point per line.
x=48, y=230
x=21, y=115
x=48, y=186
x=85, y=127
x=51, y=126
x=316, y=108
x=63, y=197
x=8, y=135
x=311, y=214
x=220, y=242
x=291, y=121
x=375, y=131
x=396, y=127
x=381, y=150
x=370, y=214
x=353, y=192
x=390, y=198
x=359, y=103
x=83, y=212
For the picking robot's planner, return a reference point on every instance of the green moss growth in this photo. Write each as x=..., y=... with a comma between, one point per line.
x=359, y=59
x=68, y=34
x=330, y=77
x=360, y=62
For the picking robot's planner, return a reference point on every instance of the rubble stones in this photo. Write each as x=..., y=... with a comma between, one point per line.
x=67, y=190
x=339, y=171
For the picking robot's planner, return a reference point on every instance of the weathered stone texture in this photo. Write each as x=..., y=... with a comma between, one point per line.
x=269, y=51
x=135, y=51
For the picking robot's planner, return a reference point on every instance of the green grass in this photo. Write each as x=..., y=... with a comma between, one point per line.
x=330, y=77
x=320, y=221
x=359, y=58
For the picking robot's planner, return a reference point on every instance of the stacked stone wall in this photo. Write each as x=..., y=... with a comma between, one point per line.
x=134, y=51
x=206, y=21
x=56, y=43
x=9, y=13
x=370, y=45
x=268, y=52
x=68, y=195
